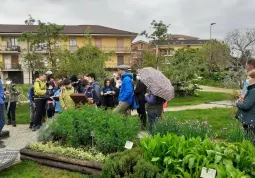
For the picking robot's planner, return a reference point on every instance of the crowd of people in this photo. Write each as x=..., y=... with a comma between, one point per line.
x=49, y=97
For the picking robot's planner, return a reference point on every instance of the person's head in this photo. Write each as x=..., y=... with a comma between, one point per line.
x=74, y=78
x=80, y=77
x=8, y=81
x=85, y=83
x=67, y=83
x=42, y=77
x=251, y=77
x=91, y=77
x=61, y=85
x=250, y=65
x=122, y=69
x=107, y=82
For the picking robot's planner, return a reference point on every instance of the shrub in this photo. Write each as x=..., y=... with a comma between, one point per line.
x=189, y=129
x=111, y=130
x=55, y=148
x=129, y=163
x=180, y=157
x=237, y=134
x=167, y=125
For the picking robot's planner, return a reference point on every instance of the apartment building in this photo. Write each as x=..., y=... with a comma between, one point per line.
x=167, y=48
x=105, y=38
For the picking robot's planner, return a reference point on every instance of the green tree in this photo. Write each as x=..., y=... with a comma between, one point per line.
x=32, y=61
x=159, y=36
x=185, y=65
x=51, y=34
x=220, y=55
x=87, y=59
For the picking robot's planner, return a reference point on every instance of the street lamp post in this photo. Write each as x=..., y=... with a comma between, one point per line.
x=210, y=40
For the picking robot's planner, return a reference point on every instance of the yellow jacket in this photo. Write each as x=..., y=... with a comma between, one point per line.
x=39, y=88
x=65, y=99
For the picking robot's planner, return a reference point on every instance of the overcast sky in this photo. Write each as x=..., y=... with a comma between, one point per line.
x=189, y=17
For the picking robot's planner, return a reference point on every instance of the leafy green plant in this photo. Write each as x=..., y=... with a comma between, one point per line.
x=189, y=129
x=74, y=128
x=179, y=157
x=237, y=134
x=79, y=153
x=167, y=125
x=129, y=164
x=195, y=128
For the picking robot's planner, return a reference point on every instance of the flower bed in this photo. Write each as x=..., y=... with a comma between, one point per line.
x=51, y=154
x=173, y=156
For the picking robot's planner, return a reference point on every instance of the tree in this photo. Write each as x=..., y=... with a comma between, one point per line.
x=87, y=59
x=51, y=34
x=32, y=61
x=241, y=43
x=220, y=55
x=185, y=65
x=159, y=36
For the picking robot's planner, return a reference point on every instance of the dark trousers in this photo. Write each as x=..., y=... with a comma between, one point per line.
x=39, y=111
x=50, y=113
x=152, y=118
x=2, y=118
x=142, y=115
x=12, y=112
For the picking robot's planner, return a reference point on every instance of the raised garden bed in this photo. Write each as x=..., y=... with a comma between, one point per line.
x=62, y=162
x=4, y=134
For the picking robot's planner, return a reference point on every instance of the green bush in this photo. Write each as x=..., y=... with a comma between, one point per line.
x=129, y=164
x=55, y=148
x=180, y=157
x=237, y=134
x=189, y=129
x=73, y=128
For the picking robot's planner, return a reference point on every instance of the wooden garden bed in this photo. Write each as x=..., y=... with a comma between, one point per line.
x=4, y=134
x=62, y=162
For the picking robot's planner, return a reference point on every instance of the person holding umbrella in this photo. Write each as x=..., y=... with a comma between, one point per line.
x=126, y=91
x=161, y=90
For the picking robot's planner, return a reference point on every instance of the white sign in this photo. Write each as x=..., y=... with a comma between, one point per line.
x=92, y=134
x=210, y=174
x=129, y=145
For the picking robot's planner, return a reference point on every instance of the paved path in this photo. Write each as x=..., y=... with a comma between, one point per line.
x=216, y=89
x=20, y=137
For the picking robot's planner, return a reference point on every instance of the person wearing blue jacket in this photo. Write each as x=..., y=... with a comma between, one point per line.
x=30, y=95
x=58, y=107
x=2, y=118
x=126, y=91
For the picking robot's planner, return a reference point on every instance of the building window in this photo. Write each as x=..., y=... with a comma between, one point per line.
x=72, y=42
x=14, y=42
x=141, y=46
x=98, y=43
x=120, y=60
x=56, y=43
x=171, y=52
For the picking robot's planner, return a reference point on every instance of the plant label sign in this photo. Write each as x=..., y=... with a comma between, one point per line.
x=210, y=174
x=92, y=134
x=129, y=145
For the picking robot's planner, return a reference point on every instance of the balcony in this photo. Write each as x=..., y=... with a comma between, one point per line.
x=116, y=49
x=12, y=67
x=5, y=49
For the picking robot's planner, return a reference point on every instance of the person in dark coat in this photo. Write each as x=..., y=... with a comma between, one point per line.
x=107, y=93
x=247, y=107
x=49, y=106
x=90, y=92
x=140, y=92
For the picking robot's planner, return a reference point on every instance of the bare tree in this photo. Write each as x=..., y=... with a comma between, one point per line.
x=241, y=42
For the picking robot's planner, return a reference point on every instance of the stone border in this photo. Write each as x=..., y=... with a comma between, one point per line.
x=4, y=134
x=62, y=162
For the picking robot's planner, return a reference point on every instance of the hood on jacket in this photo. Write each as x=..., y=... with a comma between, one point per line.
x=127, y=75
x=96, y=83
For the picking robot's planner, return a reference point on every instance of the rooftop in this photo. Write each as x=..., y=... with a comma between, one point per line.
x=68, y=29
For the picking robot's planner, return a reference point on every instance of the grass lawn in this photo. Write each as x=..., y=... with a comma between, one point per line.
x=202, y=98
x=221, y=119
x=209, y=82
x=27, y=169
x=22, y=114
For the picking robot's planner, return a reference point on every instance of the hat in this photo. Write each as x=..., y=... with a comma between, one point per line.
x=48, y=73
x=123, y=67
